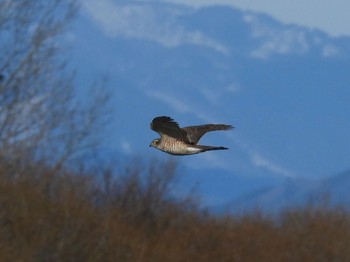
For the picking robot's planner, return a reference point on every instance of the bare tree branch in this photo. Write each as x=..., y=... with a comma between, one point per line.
x=40, y=115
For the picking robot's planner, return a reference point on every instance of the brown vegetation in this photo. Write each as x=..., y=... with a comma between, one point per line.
x=46, y=216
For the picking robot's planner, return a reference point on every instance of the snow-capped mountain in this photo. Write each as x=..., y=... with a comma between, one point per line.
x=285, y=88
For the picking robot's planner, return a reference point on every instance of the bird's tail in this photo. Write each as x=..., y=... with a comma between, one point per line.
x=208, y=148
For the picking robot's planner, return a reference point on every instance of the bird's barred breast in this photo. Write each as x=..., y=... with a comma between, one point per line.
x=174, y=146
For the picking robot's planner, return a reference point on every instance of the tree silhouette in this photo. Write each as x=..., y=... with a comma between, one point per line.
x=40, y=115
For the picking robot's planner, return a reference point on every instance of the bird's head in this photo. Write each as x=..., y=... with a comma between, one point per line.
x=155, y=143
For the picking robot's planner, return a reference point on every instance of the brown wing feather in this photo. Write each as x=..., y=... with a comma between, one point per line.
x=194, y=133
x=165, y=125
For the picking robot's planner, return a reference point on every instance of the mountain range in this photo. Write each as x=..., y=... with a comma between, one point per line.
x=332, y=191
x=285, y=88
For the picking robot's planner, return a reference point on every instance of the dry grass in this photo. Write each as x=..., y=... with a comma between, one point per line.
x=45, y=216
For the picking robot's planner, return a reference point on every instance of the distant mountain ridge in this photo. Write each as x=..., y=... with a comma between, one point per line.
x=293, y=193
x=284, y=88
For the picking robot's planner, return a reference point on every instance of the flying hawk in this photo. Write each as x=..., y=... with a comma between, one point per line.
x=182, y=141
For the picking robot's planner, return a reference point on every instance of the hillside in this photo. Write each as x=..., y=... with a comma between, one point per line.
x=283, y=87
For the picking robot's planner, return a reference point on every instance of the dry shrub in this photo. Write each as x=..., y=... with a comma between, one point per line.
x=71, y=216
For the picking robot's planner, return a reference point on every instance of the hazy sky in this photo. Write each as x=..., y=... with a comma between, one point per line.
x=331, y=16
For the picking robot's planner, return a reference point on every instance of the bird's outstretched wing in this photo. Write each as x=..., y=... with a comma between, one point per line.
x=194, y=133
x=166, y=126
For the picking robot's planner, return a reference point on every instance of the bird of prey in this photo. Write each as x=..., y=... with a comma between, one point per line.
x=182, y=141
